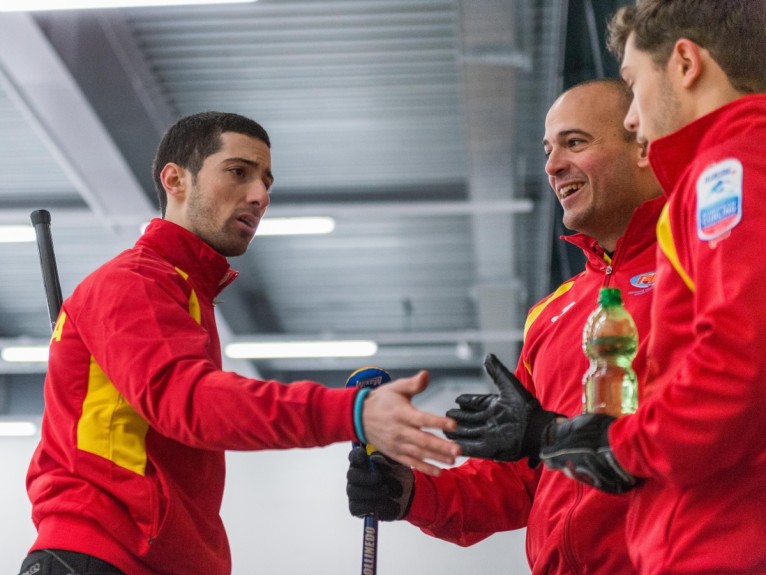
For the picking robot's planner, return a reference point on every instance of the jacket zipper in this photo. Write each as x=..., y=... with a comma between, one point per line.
x=568, y=551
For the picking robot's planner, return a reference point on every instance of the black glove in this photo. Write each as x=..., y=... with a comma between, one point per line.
x=580, y=448
x=504, y=427
x=377, y=484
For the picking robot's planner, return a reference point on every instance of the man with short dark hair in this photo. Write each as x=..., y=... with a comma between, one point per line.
x=128, y=476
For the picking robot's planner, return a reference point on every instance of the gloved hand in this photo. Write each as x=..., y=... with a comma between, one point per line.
x=504, y=427
x=377, y=484
x=580, y=448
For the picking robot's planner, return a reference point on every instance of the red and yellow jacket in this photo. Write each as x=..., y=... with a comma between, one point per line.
x=138, y=413
x=571, y=528
x=699, y=438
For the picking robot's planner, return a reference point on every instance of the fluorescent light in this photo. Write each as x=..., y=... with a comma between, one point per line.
x=25, y=354
x=242, y=350
x=34, y=5
x=17, y=429
x=296, y=349
x=295, y=226
x=10, y=234
x=285, y=226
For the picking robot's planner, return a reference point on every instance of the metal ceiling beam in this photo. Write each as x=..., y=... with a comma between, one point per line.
x=54, y=104
x=394, y=338
x=46, y=93
x=76, y=217
x=101, y=53
x=398, y=350
x=490, y=28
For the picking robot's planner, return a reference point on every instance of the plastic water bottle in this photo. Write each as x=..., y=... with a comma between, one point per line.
x=610, y=341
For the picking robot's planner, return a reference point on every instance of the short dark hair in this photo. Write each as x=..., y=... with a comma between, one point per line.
x=733, y=31
x=193, y=138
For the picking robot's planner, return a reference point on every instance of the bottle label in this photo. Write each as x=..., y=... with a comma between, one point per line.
x=612, y=345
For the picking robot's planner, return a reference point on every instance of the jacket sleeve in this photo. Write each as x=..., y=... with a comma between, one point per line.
x=468, y=503
x=159, y=359
x=706, y=418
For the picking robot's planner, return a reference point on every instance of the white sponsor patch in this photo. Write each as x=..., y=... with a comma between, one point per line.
x=719, y=199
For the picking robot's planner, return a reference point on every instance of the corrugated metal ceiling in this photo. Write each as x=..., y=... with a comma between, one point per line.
x=414, y=123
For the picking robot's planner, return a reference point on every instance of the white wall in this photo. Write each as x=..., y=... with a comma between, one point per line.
x=294, y=520
x=286, y=513
x=16, y=529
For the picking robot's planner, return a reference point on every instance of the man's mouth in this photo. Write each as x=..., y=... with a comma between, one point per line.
x=569, y=189
x=249, y=220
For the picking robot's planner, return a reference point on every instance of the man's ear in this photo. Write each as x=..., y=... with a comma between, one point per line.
x=686, y=62
x=173, y=180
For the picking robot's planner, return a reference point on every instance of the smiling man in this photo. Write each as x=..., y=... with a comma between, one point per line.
x=601, y=177
x=129, y=473
x=597, y=182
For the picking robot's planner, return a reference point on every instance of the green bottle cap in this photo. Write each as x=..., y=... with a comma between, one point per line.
x=609, y=297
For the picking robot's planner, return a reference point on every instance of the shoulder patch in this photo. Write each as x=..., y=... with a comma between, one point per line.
x=719, y=199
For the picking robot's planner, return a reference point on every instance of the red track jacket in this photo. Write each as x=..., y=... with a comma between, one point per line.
x=138, y=413
x=571, y=528
x=700, y=437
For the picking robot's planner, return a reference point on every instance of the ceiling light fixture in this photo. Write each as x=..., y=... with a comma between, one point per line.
x=238, y=350
x=36, y=5
x=284, y=226
x=299, y=349
x=14, y=234
x=25, y=354
x=295, y=226
x=17, y=429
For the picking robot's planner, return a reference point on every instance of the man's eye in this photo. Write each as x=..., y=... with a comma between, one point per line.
x=575, y=142
x=237, y=171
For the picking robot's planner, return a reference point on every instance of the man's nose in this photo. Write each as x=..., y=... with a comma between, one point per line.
x=556, y=162
x=631, y=118
x=258, y=193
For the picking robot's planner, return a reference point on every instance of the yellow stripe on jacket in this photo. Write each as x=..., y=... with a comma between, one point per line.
x=668, y=247
x=108, y=426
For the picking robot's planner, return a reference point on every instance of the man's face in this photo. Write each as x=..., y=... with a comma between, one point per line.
x=656, y=110
x=230, y=194
x=591, y=166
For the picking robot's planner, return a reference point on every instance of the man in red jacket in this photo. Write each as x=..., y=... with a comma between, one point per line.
x=601, y=177
x=694, y=453
x=128, y=476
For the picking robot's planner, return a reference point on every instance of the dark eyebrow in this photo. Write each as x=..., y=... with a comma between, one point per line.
x=249, y=163
x=574, y=131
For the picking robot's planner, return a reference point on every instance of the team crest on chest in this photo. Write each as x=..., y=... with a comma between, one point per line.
x=719, y=199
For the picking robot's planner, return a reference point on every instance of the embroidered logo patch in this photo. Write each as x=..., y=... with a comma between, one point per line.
x=719, y=199
x=642, y=281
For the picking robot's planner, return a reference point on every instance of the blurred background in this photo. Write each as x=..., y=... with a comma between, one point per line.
x=412, y=128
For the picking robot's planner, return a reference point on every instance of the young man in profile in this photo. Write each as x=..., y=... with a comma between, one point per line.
x=695, y=449
x=128, y=476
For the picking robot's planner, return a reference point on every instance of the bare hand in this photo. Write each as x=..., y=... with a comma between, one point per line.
x=394, y=426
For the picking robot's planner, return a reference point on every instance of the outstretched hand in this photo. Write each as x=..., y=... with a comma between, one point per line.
x=395, y=426
x=505, y=426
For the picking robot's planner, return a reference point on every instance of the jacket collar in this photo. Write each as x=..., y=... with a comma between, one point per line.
x=671, y=155
x=639, y=235
x=186, y=251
